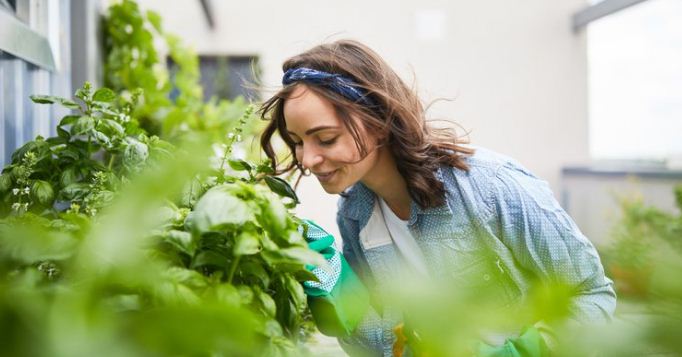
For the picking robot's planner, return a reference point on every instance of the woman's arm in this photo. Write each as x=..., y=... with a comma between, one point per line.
x=545, y=240
x=368, y=337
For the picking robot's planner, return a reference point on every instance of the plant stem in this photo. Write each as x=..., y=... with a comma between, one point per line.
x=233, y=268
x=228, y=150
x=111, y=161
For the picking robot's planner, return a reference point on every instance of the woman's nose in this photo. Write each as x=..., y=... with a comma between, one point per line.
x=311, y=157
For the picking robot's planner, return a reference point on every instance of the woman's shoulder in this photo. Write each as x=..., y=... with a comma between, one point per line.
x=489, y=159
x=485, y=164
x=489, y=174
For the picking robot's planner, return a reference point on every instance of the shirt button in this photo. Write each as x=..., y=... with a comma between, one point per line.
x=486, y=277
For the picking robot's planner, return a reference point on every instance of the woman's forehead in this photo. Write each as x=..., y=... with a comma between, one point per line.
x=305, y=109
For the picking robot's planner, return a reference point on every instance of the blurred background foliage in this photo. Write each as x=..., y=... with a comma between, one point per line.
x=140, y=229
x=134, y=41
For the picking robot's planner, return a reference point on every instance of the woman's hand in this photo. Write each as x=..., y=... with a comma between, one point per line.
x=338, y=300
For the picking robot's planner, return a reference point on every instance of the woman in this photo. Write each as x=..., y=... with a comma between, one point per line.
x=413, y=196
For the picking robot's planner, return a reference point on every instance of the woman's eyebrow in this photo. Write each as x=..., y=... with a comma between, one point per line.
x=316, y=129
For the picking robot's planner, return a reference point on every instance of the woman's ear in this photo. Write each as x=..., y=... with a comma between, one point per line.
x=381, y=139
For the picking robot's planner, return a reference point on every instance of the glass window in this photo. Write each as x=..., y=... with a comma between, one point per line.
x=635, y=82
x=227, y=77
x=8, y=4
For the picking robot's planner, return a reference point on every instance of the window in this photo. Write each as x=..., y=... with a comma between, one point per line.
x=34, y=49
x=635, y=82
x=227, y=77
x=8, y=4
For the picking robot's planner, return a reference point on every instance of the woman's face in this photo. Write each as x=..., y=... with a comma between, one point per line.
x=323, y=144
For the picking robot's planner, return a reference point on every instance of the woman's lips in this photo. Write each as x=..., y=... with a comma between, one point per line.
x=325, y=176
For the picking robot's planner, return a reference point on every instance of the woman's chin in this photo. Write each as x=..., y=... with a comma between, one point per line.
x=334, y=188
x=331, y=189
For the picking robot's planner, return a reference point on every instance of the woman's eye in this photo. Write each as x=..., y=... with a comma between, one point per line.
x=328, y=142
x=298, y=144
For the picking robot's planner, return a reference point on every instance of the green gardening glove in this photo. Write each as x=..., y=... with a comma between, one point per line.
x=339, y=300
x=529, y=344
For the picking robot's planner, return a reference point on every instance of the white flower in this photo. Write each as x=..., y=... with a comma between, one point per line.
x=27, y=190
x=230, y=135
x=239, y=138
x=15, y=206
x=15, y=191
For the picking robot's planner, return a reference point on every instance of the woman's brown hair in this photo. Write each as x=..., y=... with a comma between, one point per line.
x=397, y=118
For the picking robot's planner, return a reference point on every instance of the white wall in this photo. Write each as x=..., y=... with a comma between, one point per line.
x=594, y=199
x=517, y=71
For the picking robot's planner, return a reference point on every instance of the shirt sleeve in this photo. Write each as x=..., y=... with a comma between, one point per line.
x=545, y=240
x=368, y=337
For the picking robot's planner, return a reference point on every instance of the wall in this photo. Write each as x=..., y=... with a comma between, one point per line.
x=515, y=69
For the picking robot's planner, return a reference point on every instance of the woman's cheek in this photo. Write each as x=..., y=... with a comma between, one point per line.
x=298, y=153
x=347, y=151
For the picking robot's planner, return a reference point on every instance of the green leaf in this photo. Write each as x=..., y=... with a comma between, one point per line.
x=291, y=260
x=239, y=165
x=75, y=190
x=37, y=146
x=304, y=255
x=63, y=133
x=305, y=275
x=246, y=294
x=135, y=153
x=82, y=125
x=5, y=182
x=274, y=218
x=182, y=240
x=265, y=168
x=154, y=19
x=226, y=293
x=68, y=120
x=49, y=99
x=69, y=104
x=255, y=269
x=29, y=240
x=101, y=137
x=42, y=192
x=247, y=243
x=178, y=286
x=210, y=258
x=42, y=99
x=266, y=302
x=113, y=126
x=70, y=153
x=104, y=95
x=57, y=143
x=68, y=176
x=297, y=295
x=273, y=330
x=218, y=208
x=281, y=187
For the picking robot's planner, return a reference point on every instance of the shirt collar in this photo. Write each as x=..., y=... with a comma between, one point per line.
x=360, y=200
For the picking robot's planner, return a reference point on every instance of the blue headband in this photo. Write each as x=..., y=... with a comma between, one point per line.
x=340, y=84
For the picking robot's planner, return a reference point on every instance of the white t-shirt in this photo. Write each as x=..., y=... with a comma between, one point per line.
x=402, y=238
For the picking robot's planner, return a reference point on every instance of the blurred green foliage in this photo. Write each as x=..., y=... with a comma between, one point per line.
x=134, y=42
x=140, y=229
x=113, y=237
x=640, y=238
